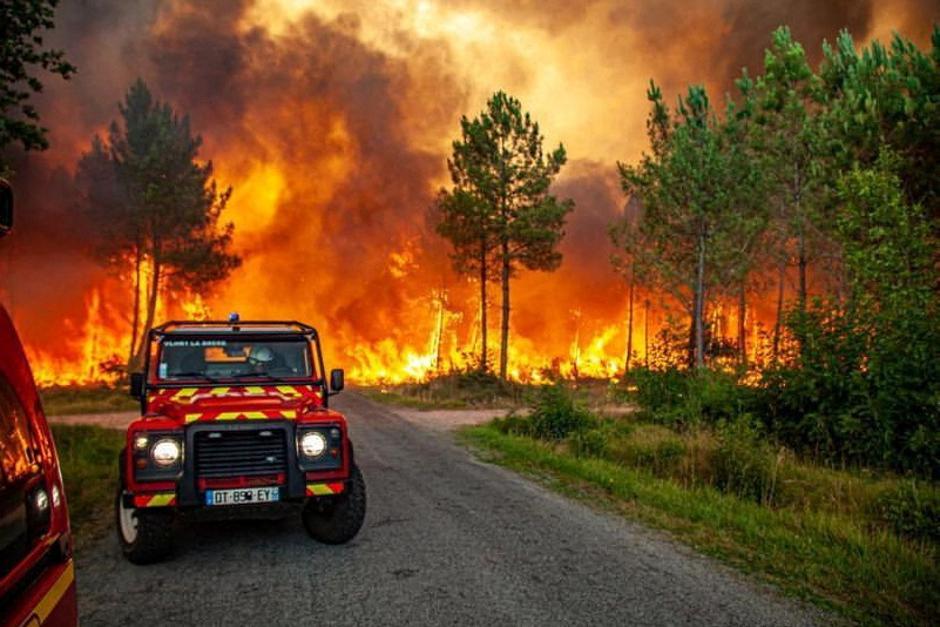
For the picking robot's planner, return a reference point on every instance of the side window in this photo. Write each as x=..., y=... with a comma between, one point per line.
x=16, y=443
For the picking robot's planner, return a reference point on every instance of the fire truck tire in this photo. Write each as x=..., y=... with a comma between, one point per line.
x=146, y=536
x=338, y=519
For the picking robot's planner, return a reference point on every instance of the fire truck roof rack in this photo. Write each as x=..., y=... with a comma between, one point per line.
x=245, y=326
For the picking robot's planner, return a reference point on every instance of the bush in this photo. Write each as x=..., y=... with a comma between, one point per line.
x=556, y=413
x=913, y=510
x=745, y=462
x=657, y=390
x=513, y=425
x=651, y=447
x=590, y=443
x=685, y=397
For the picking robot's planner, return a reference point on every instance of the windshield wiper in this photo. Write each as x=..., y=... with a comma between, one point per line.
x=259, y=375
x=189, y=375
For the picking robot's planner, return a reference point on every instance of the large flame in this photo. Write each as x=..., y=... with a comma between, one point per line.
x=333, y=121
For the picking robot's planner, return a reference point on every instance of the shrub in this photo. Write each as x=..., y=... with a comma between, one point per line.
x=514, y=425
x=657, y=390
x=745, y=462
x=589, y=443
x=683, y=397
x=651, y=447
x=913, y=510
x=556, y=413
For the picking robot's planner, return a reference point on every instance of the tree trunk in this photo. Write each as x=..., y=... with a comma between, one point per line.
x=151, y=310
x=778, y=323
x=646, y=332
x=135, y=320
x=742, y=327
x=483, y=357
x=698, y=313
x=504, y=335
x=803, y=264
x=629, y=355
x=440, y=332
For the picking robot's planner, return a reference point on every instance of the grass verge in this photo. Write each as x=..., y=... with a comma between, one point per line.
x=62, y=400
x=867, y=575
x=89, y=468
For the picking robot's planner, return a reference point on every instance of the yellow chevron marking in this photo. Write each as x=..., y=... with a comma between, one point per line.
x=288, y=390
x=254, y=415
x=219, y=391
x=228, y=415
x=51, y=599
x=319, y=489
x=192, y=417
x=185, y=394
x=254, y=390
x=290, y=414
x=159, y=500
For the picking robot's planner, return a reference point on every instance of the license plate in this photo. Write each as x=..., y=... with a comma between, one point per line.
x=243, y=496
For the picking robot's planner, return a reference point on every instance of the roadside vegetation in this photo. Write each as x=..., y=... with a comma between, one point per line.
x=862, y=542
x=64, y=400
x=476, y=390
x=89, y=468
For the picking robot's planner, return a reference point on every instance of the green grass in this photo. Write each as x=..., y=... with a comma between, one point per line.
x=473, y=390
x=89, y=468
x=831, y=558
x=58, y=401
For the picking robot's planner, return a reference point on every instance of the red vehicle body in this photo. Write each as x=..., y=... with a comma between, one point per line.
x=225, y=434
x=37, y=575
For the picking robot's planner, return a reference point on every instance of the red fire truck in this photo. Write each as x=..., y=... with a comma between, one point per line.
x=235, y=423
x=37, y=576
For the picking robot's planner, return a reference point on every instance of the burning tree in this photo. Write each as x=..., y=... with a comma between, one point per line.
x=156, y=206
x=499, y=213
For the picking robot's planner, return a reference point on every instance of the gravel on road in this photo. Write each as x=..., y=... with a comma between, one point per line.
x=447, y=540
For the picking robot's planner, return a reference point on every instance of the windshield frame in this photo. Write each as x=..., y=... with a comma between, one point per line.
x=310, y=338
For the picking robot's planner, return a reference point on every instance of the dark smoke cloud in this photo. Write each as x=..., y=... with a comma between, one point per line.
x=315, y=94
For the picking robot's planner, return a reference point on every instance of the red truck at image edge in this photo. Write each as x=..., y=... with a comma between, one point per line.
x=37, y=574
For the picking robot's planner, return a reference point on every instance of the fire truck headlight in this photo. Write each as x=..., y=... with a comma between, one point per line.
x=313, y=444
x=165, y=453
x=41, y=500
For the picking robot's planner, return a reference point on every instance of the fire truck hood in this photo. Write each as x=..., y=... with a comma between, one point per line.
x=240, y=402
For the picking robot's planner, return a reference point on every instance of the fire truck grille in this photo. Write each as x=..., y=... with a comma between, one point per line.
x=239, y=453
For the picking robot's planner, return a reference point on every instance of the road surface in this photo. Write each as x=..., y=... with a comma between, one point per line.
x=447, y=540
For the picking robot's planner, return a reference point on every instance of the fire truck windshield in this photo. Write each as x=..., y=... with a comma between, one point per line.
x=230, y=358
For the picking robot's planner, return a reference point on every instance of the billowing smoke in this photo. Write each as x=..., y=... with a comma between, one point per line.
x=333, y=124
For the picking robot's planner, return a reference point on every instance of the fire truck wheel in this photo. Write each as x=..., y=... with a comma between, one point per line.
x=146, y=536
x=338, y=519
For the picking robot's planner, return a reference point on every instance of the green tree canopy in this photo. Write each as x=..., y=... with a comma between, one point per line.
x=21, y=53
x=158, y=206
x=887, y=97
x=501, y=203
x=696, y=216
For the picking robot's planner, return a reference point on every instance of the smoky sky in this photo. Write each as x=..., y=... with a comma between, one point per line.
x=346, y=124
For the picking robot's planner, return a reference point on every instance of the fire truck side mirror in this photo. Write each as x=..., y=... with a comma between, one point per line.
x=337, y=381
x=137, y=384
x=6, y=207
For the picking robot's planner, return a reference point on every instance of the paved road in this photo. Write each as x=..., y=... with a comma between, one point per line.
x=447, y=540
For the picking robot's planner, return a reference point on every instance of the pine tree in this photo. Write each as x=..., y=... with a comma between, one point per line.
x=157, y=204
x=500, y=212
x=690, y=186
